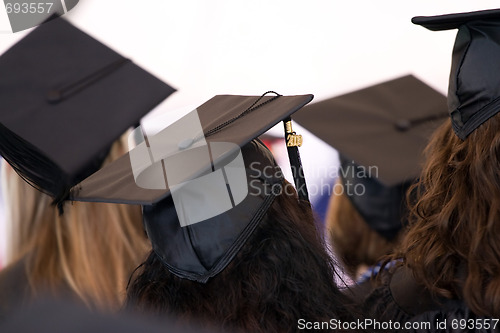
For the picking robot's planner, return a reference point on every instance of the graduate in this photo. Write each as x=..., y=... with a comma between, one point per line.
x=234, y=244
x=450, y=257
x=65, y=101
x=380, y=132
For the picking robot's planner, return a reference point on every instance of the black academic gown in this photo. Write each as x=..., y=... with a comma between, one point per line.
x=14, y=288
x=400, y=299
x=454, y=317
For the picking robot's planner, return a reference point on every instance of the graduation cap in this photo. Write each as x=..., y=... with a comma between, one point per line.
x=380, y=133
x=205, y=181
x=64, y=99
x=474, y=87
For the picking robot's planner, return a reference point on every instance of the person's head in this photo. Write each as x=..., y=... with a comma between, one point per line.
x=453, y=244
x=90, y=250
x=366, y=216
x=356, y=244
x=58, y=122
x=232, y=243
x=281, y=274
x=379, y=133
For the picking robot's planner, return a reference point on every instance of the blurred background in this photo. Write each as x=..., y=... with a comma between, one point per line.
x=327, y=48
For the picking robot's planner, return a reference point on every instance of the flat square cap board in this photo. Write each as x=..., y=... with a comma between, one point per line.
x=64, y=98
x=385, y=126
x=224, y=118
x=224, y=181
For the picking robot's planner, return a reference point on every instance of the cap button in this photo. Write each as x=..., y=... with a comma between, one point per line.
x=54, y=96
x=403, y=125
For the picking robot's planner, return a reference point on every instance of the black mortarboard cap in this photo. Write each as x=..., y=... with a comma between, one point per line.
x=474, y=87
x=380, y=133
x=64, y=99
x=198, y=218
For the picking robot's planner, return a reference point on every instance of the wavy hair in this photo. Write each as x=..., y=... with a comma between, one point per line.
x=283, y=273
x=453, y=245
x=91, y=249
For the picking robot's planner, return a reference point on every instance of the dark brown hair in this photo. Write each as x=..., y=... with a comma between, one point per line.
x=282, y=274
x=453, y=245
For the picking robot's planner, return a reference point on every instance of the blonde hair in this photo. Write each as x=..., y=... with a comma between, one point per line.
x=352, y=239
x=91, y=249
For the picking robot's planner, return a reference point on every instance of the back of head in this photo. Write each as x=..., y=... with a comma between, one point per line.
x=452, y=246
x=356, y=244
x=280, y=275
x=228, y=244
x=88, y=251
x=58, y=122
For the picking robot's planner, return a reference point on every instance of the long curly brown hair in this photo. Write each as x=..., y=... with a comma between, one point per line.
x=453, y=245
x=282, y=274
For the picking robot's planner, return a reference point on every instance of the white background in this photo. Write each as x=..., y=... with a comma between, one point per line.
x=326, y=48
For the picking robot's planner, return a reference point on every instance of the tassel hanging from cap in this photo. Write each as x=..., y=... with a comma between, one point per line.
x=293, y=142
x=33, y=166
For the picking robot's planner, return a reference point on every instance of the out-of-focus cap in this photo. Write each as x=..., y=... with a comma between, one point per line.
x=64, y=99
x=380, y=133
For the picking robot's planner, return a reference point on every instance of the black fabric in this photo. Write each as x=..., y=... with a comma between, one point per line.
x=200, y=251
x=64, y=99
x=399, y=298
x=49, y=315
x=16, y=292
x=454, y=21
x=115, y=182
x=474, y=87
x=197, y=226
x=386, y=125
x=378, y=302
x=14, y=288
x=410, y=296
x=454, y=318
x=382, y=207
